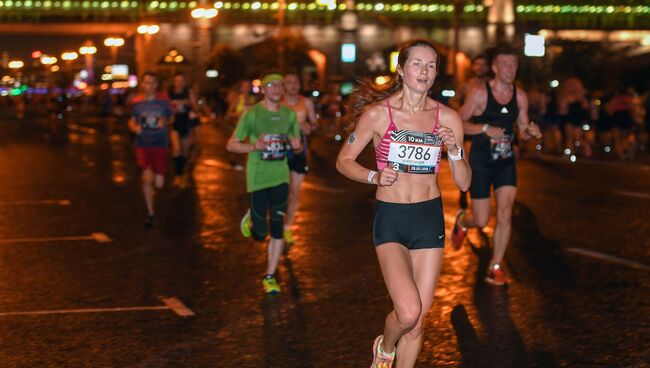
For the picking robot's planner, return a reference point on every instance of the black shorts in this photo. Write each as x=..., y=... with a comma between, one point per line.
x=182, y=126
x=414, y=225
x=263, y=201
x=497, y=174
x=298, y=162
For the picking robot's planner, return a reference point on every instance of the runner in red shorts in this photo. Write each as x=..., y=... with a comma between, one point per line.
x=151, y=115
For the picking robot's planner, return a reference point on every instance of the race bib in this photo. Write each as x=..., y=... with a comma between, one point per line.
x=149, y=122
x=501, y=148
x=414, y=152
x=276, y=147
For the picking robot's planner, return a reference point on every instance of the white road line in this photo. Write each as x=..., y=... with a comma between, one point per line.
x=98, y=237
x=56, y=202
x=633, y=194
x=173, y=304
x=609, y=258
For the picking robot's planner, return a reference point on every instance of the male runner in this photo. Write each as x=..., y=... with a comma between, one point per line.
x=184, y=102
x=306, y=115
x=493, y=110
x=480, y=69
x=151, y=115
x=271, y=130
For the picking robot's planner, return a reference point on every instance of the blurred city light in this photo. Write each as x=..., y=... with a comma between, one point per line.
x=315, y=93
x=69, y=56
x=534, y=45
x=148, y=29
x=381, y=80
x=448, y=93
x=348, y=53
x=15, y=64
x=204, y=13
x=37, y=54
x=586, y=127
x=87, y=50
x=55, y=68
x=114, y=42
x=573, y=158
x=554, y=83
x=48, y=60
x=393, y=61
x=211, y=73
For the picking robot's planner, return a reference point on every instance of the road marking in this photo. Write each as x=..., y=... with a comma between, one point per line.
x=98, y=237
x=633, y=194
x=56, y=202
x=172, y=304
x=609, y=258
x=323, y=188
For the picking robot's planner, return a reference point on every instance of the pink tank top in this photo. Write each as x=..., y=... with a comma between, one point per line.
x=431, y=142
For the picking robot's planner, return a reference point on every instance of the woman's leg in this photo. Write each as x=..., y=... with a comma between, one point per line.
x=426, y=270
x=397, y=268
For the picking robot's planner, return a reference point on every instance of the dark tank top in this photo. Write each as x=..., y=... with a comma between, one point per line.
x=180, y=103
x=486, y=150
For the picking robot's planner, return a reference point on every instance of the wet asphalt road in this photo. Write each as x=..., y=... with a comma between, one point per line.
x=60, y=184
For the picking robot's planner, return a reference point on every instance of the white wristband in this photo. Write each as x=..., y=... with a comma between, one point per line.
x=458, y=156
x=485, y=128
x=371, y=175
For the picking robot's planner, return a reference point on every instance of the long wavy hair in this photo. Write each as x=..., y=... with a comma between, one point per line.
x=367, y=93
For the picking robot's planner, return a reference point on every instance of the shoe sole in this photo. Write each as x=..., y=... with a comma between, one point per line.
x=495, y=283
x=374, y=350
x=242, y=224
x=454, y=233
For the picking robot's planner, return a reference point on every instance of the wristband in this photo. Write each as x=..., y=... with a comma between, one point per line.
x=485, y=128
x=458, y=156
x=371, y=175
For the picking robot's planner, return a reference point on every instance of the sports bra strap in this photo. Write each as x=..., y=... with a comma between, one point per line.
x=390, y=113
x=435, y=127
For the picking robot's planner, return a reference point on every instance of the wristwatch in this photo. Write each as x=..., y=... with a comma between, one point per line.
x=458, y=156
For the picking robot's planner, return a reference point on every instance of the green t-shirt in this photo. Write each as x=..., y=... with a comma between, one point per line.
x=268, y=168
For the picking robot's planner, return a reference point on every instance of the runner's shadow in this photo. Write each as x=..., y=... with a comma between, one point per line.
x=285, y=326
x=543, y=255
x=501, y=345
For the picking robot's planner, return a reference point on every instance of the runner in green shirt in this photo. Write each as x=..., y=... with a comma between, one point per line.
x=266, y=133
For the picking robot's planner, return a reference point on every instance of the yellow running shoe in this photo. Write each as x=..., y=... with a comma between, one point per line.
x=270, y=285
x=288, y=236
x=246, y=224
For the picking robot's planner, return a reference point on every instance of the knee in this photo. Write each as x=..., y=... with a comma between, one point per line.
x=416, y=332
x=408, y=314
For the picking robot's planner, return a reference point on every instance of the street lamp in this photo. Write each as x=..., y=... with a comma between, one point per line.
x=15, y=64
x=204, y=13
x=150, y=29
x=88, y=50
x=69, y=56
x=48, y=60
x=114, y=43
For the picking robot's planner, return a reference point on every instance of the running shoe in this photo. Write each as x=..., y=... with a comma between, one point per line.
x=148, y=221
x=379, y=358
x=246, y=224
x=270, y=285
x=288, y=236
x=497, y=275
x=459, y=232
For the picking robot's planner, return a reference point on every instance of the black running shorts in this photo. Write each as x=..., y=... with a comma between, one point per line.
x=497, y=174
x=414, y=225
x=264, y=201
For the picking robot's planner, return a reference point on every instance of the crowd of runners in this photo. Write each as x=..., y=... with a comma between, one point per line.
x=480, y=132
